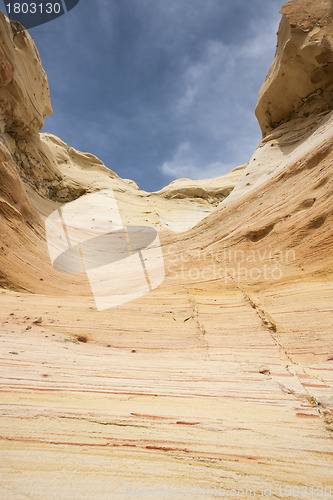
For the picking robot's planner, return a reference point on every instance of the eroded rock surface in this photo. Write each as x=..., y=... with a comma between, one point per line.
x=300, y=81
x=221, y=378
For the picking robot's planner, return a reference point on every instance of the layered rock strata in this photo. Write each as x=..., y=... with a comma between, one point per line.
x=219, y=381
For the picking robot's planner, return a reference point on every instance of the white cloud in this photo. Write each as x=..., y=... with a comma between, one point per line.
x=185, y=163
x=201, y=77
x=261, y=39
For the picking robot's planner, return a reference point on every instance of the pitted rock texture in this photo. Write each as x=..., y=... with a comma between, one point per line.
x=24, y=91
x=300, y=80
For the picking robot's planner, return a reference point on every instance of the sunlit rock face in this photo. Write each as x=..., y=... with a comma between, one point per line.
x=300, y=81
x=24, y=91
x=218, y=380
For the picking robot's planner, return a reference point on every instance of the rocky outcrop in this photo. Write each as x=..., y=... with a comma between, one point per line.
x=300, y=81
x=24, y=91
x=295, y=114
x=24, y=103
x=212, y=190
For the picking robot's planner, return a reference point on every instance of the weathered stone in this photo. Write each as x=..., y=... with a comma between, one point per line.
x=300, y=80
x=168, y=390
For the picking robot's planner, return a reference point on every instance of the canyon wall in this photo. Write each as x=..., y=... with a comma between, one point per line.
x=217, y=382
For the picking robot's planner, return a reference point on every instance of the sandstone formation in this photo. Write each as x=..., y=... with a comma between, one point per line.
x=300, y=81
x=216, y=382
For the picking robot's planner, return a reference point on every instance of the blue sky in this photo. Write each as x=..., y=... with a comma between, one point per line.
x=160, y=89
